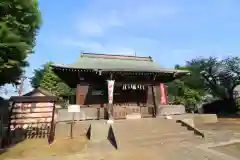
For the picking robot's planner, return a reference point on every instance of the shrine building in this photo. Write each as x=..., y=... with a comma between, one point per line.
x=136, y=84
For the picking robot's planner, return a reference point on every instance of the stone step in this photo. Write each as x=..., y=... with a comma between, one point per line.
x=149, y=135
x=148, y=130
x=148, y=125
x=154, y=137
x=158, y=142
x=143, y=133
x=144, y=121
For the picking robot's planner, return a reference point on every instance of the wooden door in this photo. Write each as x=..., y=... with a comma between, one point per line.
x=81, y=93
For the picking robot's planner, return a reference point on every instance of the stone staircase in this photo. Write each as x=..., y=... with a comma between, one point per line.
x=151, y=133
x=129, y=134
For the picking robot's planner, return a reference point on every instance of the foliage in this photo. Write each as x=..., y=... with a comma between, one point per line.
x=209, y=76
x=38, y=75
x=221, y=77
x=183, y=94
x=238, y=102
x=192, y=99
x=19, y=22
x=47, y=79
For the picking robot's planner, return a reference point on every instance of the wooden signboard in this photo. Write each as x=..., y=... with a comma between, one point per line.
x=33, y=116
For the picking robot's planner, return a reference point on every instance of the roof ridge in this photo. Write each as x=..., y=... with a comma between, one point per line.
x=113, y=56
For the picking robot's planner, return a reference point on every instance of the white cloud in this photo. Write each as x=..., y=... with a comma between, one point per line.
x=121, y=51
x=181, y=51
x=95, y=47
x=101, y=22
x=84, y=45
x=103, y=15
x=96, y=25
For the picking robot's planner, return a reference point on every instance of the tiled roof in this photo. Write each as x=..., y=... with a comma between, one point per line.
x=107, y=62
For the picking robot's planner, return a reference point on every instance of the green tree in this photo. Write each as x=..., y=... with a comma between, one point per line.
x=38, y=75
x=19, y=23
x=221, y=77
x=209, y=76
x=180, y=93
x=47, y=79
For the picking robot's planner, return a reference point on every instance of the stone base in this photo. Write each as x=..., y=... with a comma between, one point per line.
x=165, y=110
x=133, y=116
x=99, y=132
x=205, y=118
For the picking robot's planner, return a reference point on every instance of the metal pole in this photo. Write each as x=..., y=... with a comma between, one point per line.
x=71, y=131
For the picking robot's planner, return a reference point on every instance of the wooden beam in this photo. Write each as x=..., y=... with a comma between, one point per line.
x=52, y=129
x=32, y=99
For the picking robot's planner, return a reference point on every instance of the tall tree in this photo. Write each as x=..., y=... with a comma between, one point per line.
x=19, y=23
x=220, y=77
x=38, y=75
x=47, y=79
x=212, y=76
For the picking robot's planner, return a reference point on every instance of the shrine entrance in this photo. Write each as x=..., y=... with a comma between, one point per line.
x=130, y=97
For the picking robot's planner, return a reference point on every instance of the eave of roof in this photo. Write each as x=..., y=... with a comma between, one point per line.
x=108, y=63
x=160, y=70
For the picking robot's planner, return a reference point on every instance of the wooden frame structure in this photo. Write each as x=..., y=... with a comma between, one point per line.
x=33, y=116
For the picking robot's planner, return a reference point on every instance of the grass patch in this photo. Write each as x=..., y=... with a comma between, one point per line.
x=41, y=148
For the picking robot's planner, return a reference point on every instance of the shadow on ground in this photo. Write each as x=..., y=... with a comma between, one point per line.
x=111, y=137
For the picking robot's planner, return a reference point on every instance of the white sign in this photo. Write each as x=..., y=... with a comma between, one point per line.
x=110, y=91
x=97, y=93
x=74, y=108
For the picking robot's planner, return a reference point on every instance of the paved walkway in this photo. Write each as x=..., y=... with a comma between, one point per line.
x=171, y=151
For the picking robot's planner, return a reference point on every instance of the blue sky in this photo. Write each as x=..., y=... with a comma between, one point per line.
x=171, y=31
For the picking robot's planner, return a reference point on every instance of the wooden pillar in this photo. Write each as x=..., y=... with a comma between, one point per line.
x=150, y=99
x=153, y=89
x=157, y=98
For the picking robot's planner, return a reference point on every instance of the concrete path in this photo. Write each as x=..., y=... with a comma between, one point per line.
x=171, y=151
x=173, y=146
